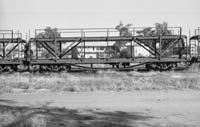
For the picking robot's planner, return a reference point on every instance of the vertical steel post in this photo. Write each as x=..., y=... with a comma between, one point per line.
x=21, y=50
x=4, y=50
x=18, y=48
x=107, y=32
x=30, y=53
x=190, y=51
x=36, y=49
x=12, y=35
x=2, y=47
x=131, y=49
x=84, y=48
x=83, y=35
x=155, y=48
x=198, y=48
x=60, y=49
x=55, y=47
x=179, y=47
x=108, y=43
x=160, y=46
x=18, y=43
x=186, y=48
x=180, y=31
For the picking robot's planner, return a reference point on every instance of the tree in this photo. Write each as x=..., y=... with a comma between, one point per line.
x=160, y=29
x=49, y=33
x=146, y=32
x=119, y=47
x=124, y=53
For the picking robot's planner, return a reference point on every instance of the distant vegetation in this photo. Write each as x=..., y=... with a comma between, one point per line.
x=160, y=29
x=119, y=47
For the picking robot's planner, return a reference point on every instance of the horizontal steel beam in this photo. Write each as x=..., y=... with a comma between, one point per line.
x=10, y=62
x=109, y=38
x=10, y=40
x=103, y=61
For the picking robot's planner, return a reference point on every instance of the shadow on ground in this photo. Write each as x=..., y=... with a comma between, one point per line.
x=47, y=116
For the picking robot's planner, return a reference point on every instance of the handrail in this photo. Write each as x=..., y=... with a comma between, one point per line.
x=107, y=31
x=9, y=34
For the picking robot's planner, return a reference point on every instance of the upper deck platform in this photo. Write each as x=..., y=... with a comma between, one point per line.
x=106, y=38
x=102, y=34
x=9, y=36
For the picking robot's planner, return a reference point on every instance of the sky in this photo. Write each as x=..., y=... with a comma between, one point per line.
x=25, y=15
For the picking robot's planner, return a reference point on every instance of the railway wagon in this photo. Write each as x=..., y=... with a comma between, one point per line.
x=11, y=50
x=92, y=49
x=68, y=49
x=194, y=42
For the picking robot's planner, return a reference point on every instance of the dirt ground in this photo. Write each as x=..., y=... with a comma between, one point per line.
x=103, y=109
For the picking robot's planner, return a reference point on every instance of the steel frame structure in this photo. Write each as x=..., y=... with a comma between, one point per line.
x=109, y=35
x=195, y=45
x=10, y=43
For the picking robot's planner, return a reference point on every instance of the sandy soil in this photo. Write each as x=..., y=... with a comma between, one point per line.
x=139, y=108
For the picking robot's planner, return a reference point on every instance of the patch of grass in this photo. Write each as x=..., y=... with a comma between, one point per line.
x=62, y=117
x=101, y=81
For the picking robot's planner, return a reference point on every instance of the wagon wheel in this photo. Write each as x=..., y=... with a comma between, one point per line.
x=68, y=67
x=14, y=68
x=160, y=66
x=5, y=68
